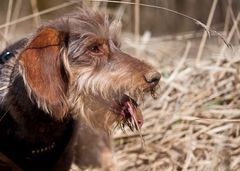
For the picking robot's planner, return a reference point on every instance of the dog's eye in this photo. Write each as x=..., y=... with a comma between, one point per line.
x=5, y=57
x=95, y=48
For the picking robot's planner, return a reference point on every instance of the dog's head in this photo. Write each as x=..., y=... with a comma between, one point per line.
x=74, y=65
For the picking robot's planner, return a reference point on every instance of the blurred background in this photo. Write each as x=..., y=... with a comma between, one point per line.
x=194, y=125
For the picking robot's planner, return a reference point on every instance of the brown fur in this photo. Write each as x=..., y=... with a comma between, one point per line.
x=72, y=68
x=45, y=48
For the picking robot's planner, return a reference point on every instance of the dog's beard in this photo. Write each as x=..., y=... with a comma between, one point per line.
x=103, y=100
x=99, y=112
x=93, y=111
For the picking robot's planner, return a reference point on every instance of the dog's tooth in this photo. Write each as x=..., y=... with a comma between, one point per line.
x=33, y=151
x=128, y=94
x=46, y=149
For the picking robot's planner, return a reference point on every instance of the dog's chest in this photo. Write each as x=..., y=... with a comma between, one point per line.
x=39, y=144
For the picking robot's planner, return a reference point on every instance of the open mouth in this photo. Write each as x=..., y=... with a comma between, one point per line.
x=129, y=113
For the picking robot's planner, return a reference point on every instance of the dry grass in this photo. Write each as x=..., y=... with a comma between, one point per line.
x=194, y=125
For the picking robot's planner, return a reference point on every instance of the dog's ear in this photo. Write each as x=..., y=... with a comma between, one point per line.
x=44, y=73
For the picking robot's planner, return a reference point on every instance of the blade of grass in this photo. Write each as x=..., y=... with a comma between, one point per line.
x=8, y=18
x=204, y=26
x=206, y=33
x=63, y=5
x=37, y=19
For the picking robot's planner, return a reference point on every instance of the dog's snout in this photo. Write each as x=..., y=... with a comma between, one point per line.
x=153, y=77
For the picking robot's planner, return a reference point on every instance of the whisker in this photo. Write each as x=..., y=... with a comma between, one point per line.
x=143, y=144
x=3, y=88
x=3, y=116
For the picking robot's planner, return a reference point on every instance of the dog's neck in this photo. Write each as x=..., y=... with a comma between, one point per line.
x=32, y=121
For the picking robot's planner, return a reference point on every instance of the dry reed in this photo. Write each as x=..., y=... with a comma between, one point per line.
x=195, y=123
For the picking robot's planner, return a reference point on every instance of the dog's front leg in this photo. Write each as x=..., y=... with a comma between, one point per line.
x=94, y=149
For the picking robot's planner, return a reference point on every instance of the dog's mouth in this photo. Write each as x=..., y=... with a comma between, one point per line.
x=129, y=113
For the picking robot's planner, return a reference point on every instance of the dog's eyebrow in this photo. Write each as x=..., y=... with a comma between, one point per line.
x=42, y=47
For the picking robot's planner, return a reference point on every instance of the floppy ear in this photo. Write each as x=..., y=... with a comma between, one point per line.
x=43, y=71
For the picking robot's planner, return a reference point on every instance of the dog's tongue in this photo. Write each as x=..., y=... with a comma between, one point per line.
x=136, y=114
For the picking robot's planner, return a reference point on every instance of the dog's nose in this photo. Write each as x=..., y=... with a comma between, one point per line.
x=153, y=78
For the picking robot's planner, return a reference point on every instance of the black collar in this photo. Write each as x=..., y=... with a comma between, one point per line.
x=28, y=156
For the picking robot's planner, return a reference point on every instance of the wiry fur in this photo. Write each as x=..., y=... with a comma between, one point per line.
x=64, y=77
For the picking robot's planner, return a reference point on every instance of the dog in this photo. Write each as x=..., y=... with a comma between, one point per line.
x=61, y=90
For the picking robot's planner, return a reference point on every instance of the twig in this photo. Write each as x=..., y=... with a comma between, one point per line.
x=37, y=19
x=15, y=14
x=227, y=18
x=86, y=4
x=137, y=20
x=231, y=33
x=180, y=64
x=207, y=29
x=213, y=120
x=206, y=33
x=4, y=38
x=8, y=17
x=63, y=5
x=233, y=18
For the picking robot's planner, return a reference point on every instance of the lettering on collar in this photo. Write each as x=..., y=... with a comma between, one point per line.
x=43, y=149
